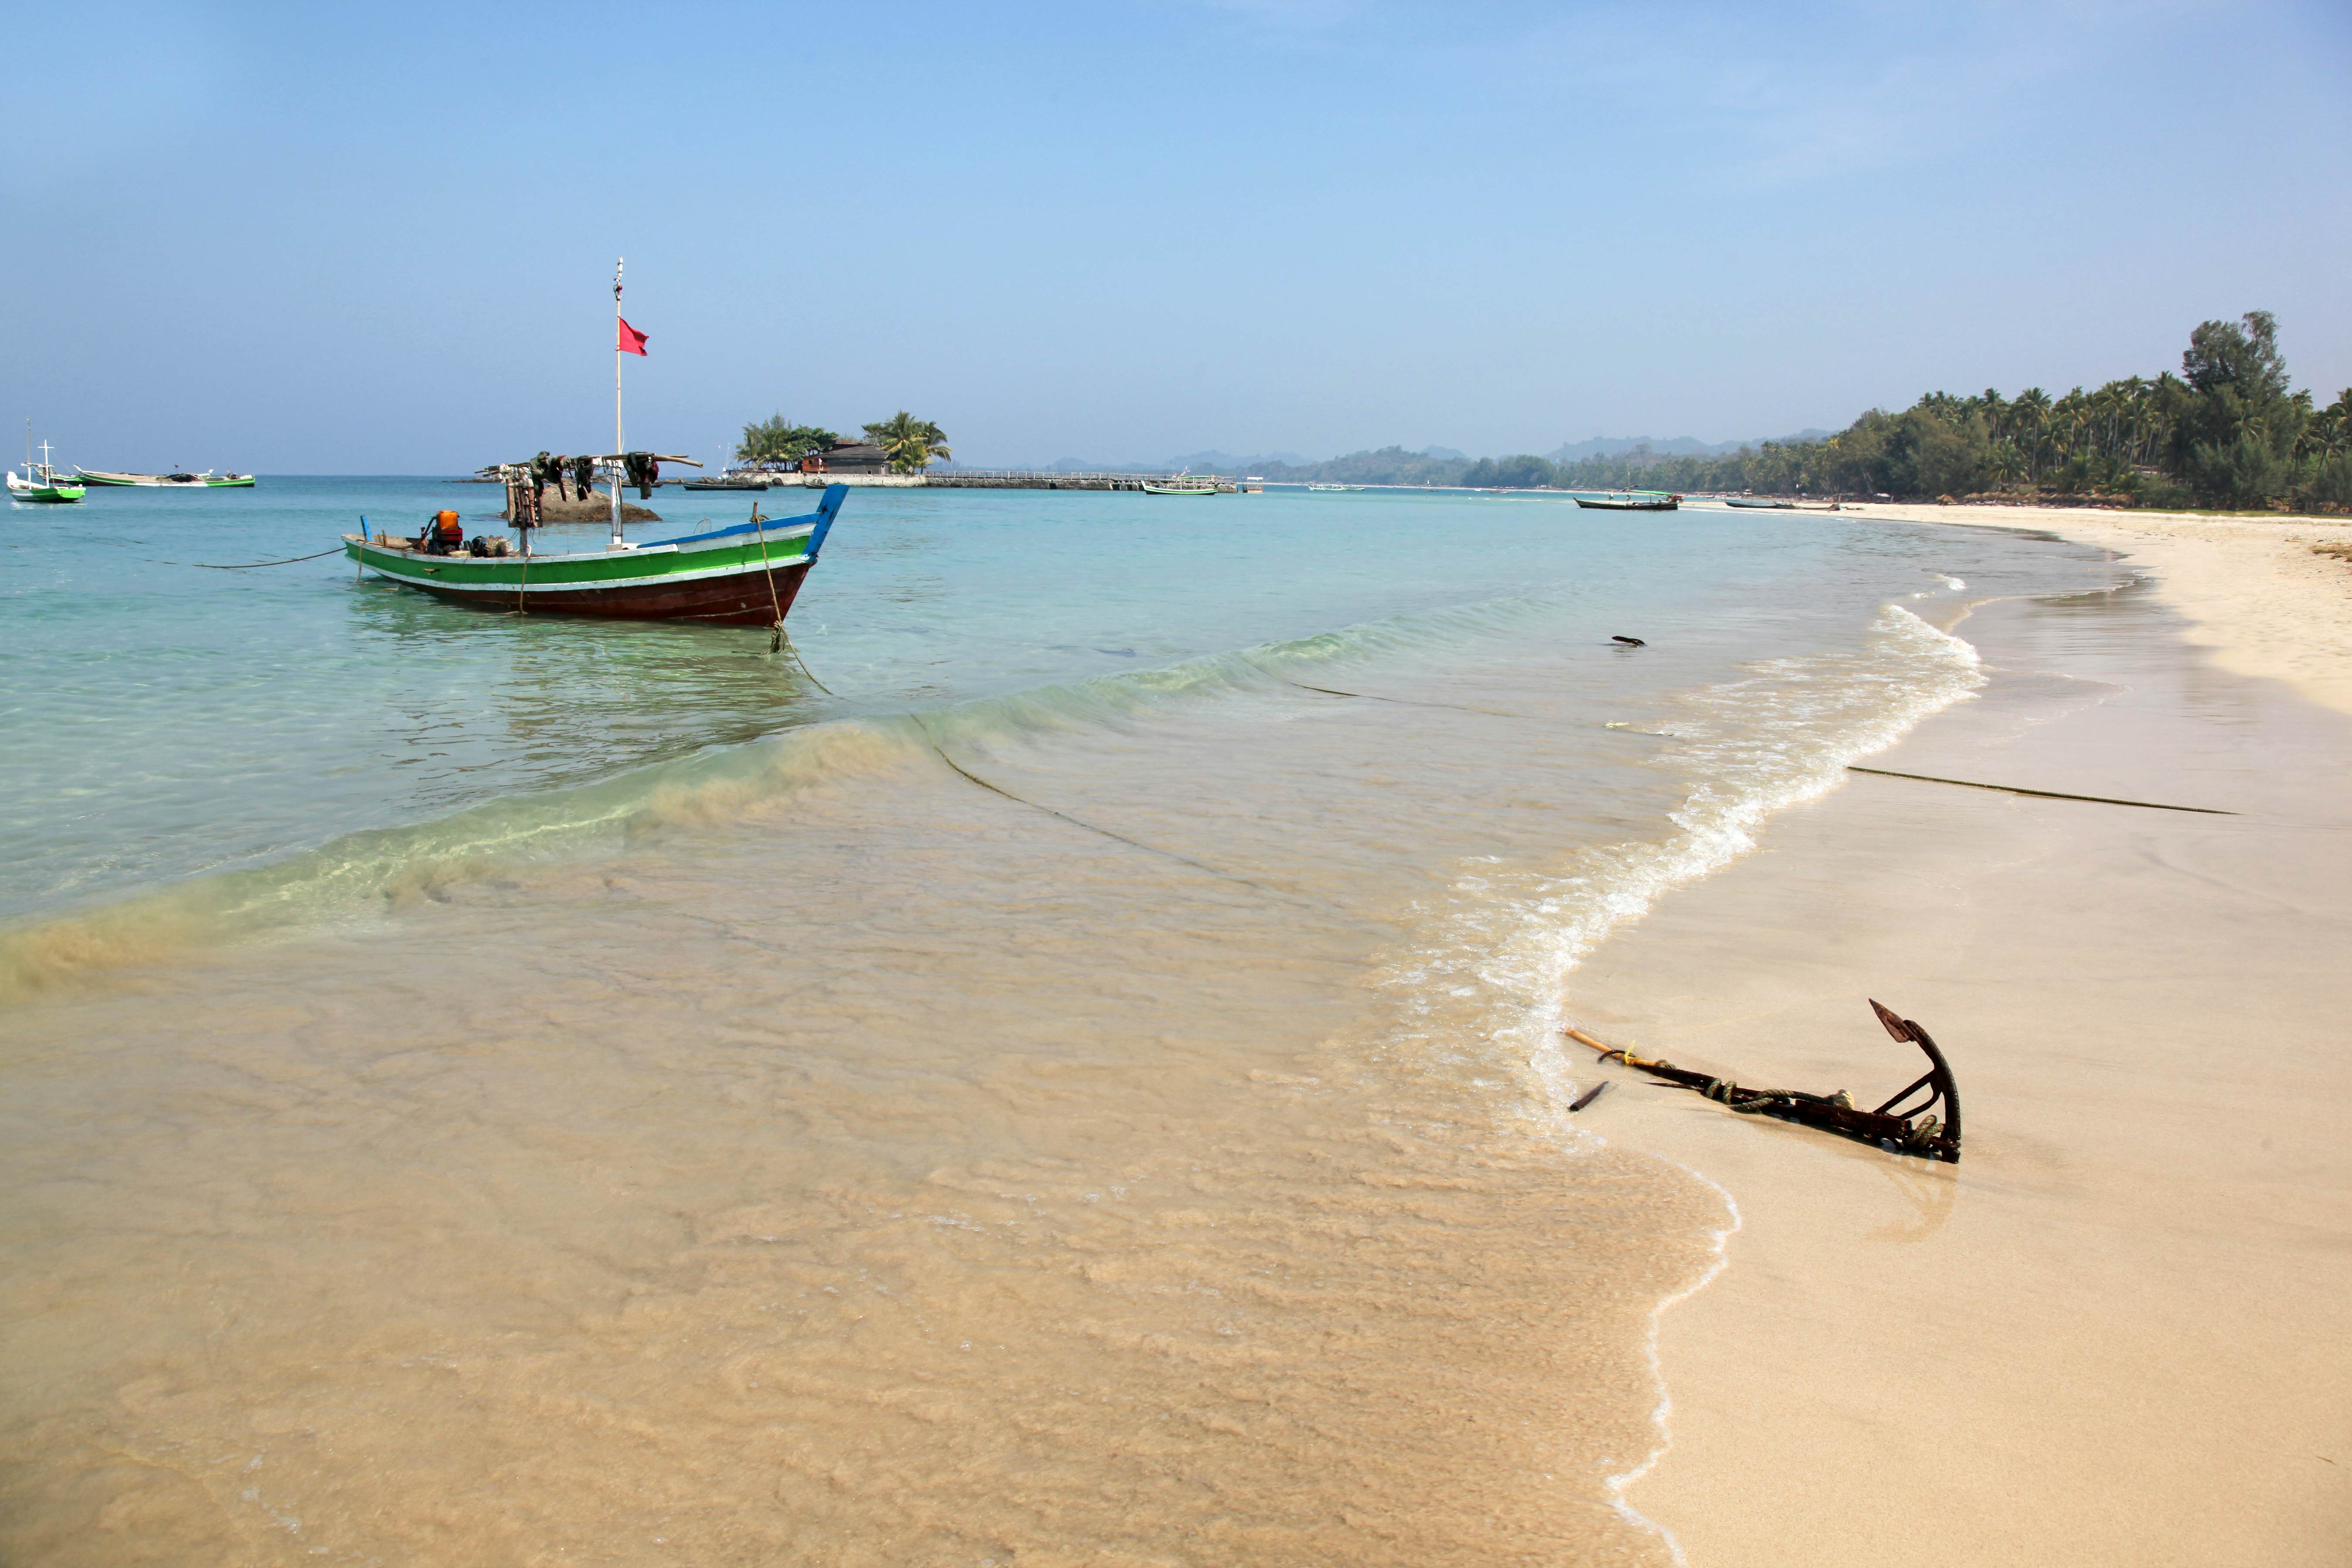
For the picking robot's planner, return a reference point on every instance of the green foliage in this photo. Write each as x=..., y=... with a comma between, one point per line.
x=1524, y=472
x=2224, y=432
x=2331, y=481
x=2236, y=432
x=912, y=444
x=776, y=440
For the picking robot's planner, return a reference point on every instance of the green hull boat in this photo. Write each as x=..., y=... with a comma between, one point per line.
x=40, y=483
x=207, y=480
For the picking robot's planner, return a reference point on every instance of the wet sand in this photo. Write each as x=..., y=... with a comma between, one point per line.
x=2111, y=1334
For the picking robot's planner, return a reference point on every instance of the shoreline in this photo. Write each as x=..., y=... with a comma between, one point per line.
x=2074, y=1345
x=2252, y=590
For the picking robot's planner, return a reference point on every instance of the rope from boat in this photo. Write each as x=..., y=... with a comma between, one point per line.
x=776, y=640
x=243, y=565
x=780, y=640
x=924, y=725
x=793, y=648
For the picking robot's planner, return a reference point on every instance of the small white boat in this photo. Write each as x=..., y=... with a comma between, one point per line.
x=1183, y=484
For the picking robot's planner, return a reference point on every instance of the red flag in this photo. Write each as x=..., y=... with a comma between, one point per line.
x=632, y=341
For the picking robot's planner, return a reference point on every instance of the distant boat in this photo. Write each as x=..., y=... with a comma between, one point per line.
x=40, y=482
x=207, y=480
x=1761, y=503
x=1631, y=500
x=1184, y=484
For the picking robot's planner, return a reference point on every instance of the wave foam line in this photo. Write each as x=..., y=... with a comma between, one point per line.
x=1821, y=714
x=1661, y=1414
x=1916, y=671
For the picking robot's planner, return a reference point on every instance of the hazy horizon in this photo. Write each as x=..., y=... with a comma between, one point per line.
x=344, y=242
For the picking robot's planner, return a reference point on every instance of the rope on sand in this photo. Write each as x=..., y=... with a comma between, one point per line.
x=2043, y=793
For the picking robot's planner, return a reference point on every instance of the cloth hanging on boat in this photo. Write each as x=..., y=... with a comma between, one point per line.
x=642, y=470
x=539, y=475
x=584, y=475
x=556, y=469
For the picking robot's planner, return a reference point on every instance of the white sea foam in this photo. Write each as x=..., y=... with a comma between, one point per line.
x=1748, y=748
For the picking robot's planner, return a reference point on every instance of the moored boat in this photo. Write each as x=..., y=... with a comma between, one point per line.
x=40, y=483
x=1184, y=484
x=1760, y=504
x=744, y=576
x=207, y=480
x=1631, y=500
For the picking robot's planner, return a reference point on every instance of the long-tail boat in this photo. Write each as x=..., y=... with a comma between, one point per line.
x=207, y=480
x=41, y=481
x=1631, y=501
x=743, y=576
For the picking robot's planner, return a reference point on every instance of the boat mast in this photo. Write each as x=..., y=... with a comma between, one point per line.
x=619, y=463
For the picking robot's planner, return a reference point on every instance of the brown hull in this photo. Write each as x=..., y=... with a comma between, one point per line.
x=740, y=599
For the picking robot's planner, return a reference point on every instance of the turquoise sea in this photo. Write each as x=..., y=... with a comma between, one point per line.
x=162, y=722
x=1063, y=1071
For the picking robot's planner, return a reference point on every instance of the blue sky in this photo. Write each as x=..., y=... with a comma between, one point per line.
x=298, y=238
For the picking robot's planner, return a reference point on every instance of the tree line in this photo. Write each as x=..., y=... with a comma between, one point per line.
x=911, y=445
x=2225, y=431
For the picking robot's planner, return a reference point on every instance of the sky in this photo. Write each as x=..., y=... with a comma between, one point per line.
x=294, y=238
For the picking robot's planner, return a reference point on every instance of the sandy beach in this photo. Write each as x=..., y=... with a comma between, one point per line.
x=2110, y=1335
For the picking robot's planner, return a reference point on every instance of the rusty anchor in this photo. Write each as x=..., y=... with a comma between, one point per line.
x=1929, y=1128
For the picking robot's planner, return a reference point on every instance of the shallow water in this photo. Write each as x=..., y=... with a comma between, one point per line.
x=1083, y=1092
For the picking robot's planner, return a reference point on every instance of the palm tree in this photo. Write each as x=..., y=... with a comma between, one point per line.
x=2030, y=419
x=912, y=444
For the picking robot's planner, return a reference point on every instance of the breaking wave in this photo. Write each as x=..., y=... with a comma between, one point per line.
x=1745, y=749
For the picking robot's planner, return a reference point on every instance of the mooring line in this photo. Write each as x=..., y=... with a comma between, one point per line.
x=2043, y=793
x=795, y=649
x=924, y=725
x=1399, y=701
x=243, y=565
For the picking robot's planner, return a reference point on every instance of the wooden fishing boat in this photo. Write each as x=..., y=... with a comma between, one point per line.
x=1181, y=485
x=743, y=576
x=165, y=480
x=1761, y=503
x=42, y=488
x=1631, y=500
x=40, y=483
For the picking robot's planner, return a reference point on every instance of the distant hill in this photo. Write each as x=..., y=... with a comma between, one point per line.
x=1226, y=463
x=1677, y=447
x=1429, y=466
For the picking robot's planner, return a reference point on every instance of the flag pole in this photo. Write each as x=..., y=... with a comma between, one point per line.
x=617, y=447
